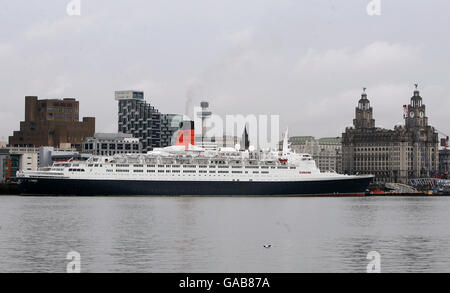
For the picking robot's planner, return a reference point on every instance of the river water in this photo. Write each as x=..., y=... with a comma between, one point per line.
x=183, y=234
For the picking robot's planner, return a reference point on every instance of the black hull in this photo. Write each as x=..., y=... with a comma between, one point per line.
x=84, y=187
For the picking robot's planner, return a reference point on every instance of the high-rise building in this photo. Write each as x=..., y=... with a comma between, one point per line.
x=139, y=118
x=170, y=124
x=52, y=123
x=409, y=151
x=143, y=121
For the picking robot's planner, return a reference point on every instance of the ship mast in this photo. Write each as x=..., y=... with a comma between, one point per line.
x=285, y=149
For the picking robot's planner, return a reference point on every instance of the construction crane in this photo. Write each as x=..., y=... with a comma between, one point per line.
x=444, y=141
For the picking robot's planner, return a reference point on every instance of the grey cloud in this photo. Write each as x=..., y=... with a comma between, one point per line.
x=304, y=60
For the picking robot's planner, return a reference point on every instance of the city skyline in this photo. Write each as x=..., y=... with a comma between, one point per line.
x=309, y=68
x=223, y=144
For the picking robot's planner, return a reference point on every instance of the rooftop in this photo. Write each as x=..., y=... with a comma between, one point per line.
x=301, y=138
x=323, y=140
x=128, y=95
x=118, y=135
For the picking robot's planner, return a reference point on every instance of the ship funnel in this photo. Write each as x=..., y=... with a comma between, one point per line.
x=186, y=135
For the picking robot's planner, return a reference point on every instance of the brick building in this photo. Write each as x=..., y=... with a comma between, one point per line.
x=52, y=123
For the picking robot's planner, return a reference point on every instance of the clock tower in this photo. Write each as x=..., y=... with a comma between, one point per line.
x=393, y=155
x=364, y=113
x=415, y=112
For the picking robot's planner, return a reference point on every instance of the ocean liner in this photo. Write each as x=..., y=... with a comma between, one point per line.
x=193, y=171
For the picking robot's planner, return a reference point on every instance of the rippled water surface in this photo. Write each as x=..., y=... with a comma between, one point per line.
x=161, y=234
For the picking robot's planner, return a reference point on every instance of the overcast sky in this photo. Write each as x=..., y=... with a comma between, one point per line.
x=304, y=60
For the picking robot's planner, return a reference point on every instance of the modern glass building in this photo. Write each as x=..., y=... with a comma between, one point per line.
x=139, y=118
x=143, y=121
x=170, y=124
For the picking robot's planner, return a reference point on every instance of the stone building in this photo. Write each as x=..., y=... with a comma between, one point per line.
x=406, y=152
x=109, y=144
x=325, y=151
x=52, y=123
x=444, y=163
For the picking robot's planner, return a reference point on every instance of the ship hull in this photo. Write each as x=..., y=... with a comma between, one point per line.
x=85, y=187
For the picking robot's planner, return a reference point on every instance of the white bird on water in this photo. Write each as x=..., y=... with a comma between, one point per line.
x=267, y=245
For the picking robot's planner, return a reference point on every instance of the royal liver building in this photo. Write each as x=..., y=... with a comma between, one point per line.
x=409, y=151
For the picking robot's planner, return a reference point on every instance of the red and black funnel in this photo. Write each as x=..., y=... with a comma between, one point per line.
x=186, y=134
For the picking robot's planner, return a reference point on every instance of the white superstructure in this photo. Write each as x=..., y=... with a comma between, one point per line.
x=176, y=164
